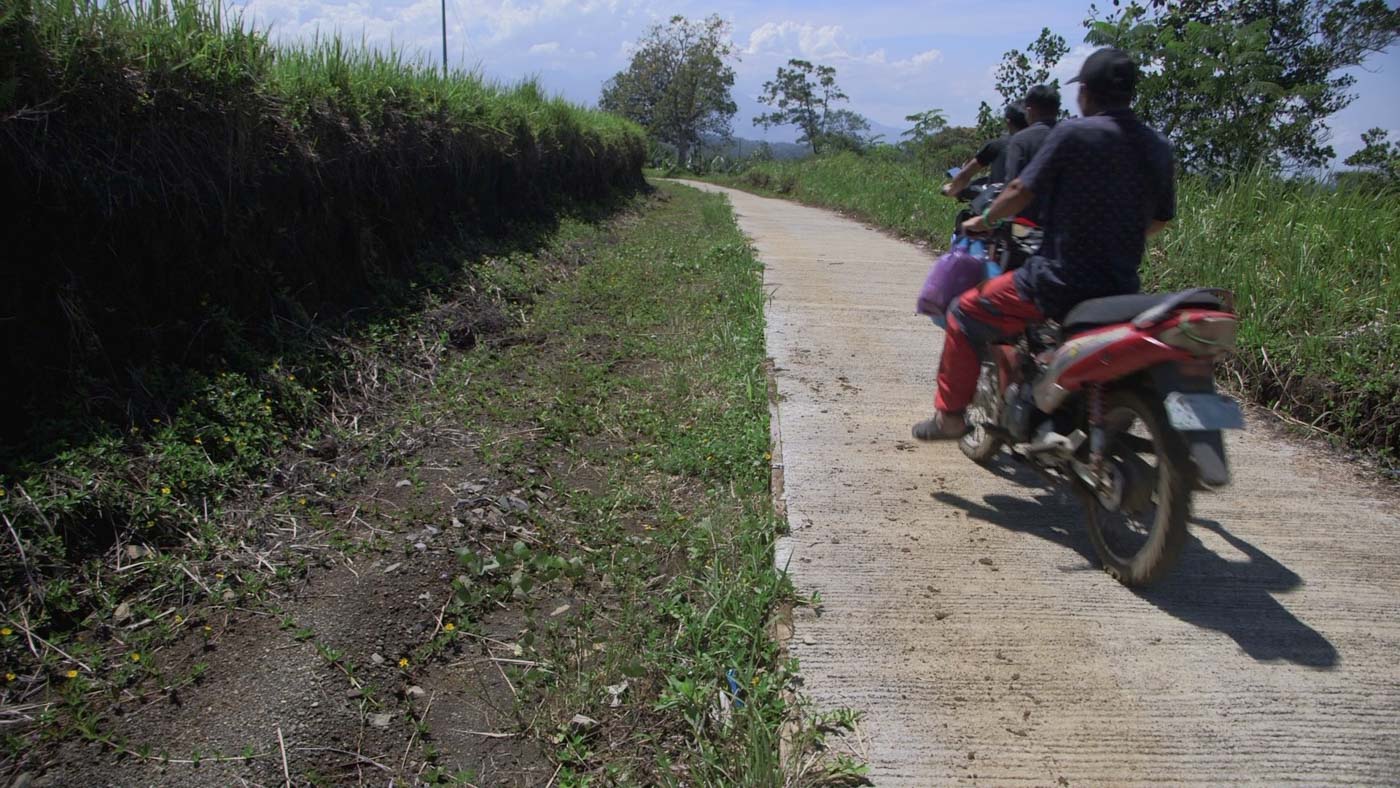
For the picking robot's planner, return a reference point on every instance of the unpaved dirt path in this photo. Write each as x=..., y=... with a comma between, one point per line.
x=962, y=611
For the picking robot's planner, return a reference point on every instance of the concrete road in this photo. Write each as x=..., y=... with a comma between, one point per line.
x=964, y=613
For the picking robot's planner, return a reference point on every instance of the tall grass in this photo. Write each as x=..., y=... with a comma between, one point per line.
x=192, y=206
x=1316, y=270
x=883, y=189
x=212, y=172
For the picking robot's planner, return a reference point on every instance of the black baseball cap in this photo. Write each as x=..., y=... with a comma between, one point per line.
x=1109, y=70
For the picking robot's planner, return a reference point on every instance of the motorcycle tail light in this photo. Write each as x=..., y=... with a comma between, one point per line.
x=1206, y=335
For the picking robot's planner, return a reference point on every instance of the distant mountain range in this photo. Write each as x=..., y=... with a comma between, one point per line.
x=740, y=148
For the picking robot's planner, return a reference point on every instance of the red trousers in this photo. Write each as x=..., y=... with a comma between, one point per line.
x=986, y=313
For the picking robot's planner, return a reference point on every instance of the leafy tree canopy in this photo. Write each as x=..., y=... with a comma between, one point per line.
x=1378, y=155
x=801, y=95
x=678, y=85
x=1237, y=84
x=845, y=129
x=1017, y=73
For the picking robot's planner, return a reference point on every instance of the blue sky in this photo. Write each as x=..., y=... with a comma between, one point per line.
x=892, y=58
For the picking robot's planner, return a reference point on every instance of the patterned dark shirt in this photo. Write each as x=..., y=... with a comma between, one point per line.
x=1099, y=182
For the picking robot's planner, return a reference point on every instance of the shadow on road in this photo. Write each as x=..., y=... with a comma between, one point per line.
x=1234, y=597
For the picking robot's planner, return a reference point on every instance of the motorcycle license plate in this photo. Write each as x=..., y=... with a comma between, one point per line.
x=1203, y=412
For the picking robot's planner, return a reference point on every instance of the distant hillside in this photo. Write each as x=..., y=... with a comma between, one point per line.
x=740, y=148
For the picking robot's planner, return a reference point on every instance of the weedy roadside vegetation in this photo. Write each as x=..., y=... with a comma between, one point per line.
x=644, y=394
x=216, y=242
x=1315, y=269
x=613, y=384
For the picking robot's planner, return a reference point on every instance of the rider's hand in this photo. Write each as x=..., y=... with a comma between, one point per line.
x=947, y=189
x=975, y=226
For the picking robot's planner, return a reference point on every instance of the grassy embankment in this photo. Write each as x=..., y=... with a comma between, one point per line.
x=197, y=213
x=200, y=220
x=1316, y=272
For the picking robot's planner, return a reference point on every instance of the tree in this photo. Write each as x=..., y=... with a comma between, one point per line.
x=1379, y=156
x=1020, y=71
x=845, y=129
x=1243, y=83
x=929, y=126
x=678, y=84
x=802, y=95
x=926, y=124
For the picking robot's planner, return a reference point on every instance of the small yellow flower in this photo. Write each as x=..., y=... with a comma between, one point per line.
x=2, y=492
x=291, y=377
x=218, y=575
x=6, y=632
x=10, y=677
x=72, y=674
x=208, y=629
x=227, y=439
x=333, y=474
x=136, y=656
x=156, y=420
x=179, y=619
x=165, y=491
x=403, y=662
x=301, y=501
x=198, y=441
x=449, y=627
x=768, y=455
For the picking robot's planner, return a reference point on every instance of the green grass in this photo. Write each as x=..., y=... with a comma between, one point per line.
x=190, y=42
x=649, y=372
x=232, y=194
x=884, y=190
x=1316, y=272
x=630, y=399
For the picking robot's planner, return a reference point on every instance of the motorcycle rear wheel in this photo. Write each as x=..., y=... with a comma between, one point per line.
x=1138, y=547
x=979, y=444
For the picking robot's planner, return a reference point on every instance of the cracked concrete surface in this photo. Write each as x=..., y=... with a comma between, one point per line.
x=963, y=611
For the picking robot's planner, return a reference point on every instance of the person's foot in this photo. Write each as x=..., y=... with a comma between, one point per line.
x=942, y=427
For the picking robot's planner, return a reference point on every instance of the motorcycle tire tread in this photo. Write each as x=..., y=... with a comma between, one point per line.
x=1181, y=482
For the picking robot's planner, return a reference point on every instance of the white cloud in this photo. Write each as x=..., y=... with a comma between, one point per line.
x=795, y=38
x=1069, y=65
x=926, y=58
x=547, y=48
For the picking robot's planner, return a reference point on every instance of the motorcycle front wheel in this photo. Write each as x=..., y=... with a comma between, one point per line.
x=1138, y=527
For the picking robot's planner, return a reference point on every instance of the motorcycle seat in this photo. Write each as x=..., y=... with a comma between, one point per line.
x=1100, y=312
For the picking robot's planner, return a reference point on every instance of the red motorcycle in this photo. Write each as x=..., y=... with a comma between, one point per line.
x=1118, y=401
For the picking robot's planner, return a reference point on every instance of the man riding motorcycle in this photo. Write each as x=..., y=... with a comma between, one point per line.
x=992, y=155
x=1042, y=104
x=1104, y=183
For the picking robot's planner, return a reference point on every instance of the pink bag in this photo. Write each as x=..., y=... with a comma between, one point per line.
x=953, y=274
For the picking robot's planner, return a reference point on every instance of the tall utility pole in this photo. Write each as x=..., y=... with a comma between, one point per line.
x=444, y=39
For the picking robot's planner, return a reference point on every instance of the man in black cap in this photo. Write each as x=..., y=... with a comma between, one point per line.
x=1104, y=183
x=992, y=155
